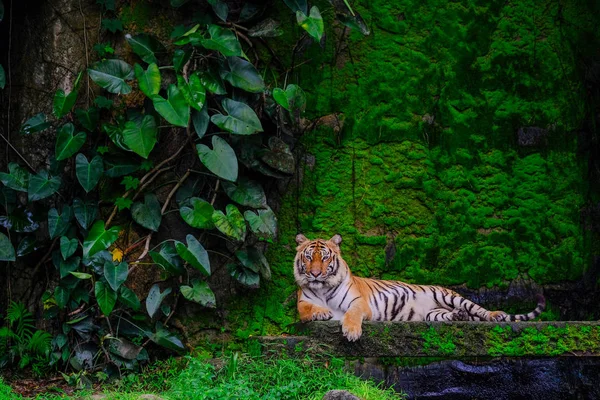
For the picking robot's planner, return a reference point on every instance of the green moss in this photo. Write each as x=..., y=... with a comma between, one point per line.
x=443, y=343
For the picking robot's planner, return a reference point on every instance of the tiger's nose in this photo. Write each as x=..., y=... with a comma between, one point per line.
x=315, y=273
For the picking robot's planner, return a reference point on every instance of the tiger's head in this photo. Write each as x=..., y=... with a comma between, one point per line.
x=318, y=263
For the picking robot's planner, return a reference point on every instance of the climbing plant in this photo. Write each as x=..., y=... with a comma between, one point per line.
x=198, y=103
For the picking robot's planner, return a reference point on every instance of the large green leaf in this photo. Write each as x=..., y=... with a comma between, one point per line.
x=99, y=239
x=245, y=276
x=155, y=297
x=313, y=23
x=129, y=298
x=292, y=99
x=140, y=135
x=105, y=297
x=88, y=118
x=27, y=245
x=145, y=46
x=211, y=82
x=149, y=80
x=67, y=246
x=175, y=109
x=242, y=119
x=115, y=275
x=35, y=124
x=222, y=40
x=63, y=103
x=200, y=215
x=243, y=75
x=163, y=337
x=17, y=177
x=66, y=143
x=7, y=251
x=111, y=75
x=61, y=295
x=264, y=224
x=69, y=265
x=148, y=213
x=232, y=224
x=88, y=173
x=168, y=259
x=221, y=160
x=200, y=119
x=180, y=58
x=195, y=254
x=246, y=192
x=85, y=212
x=42, y=186
x=115, y=133
x=266, y=28
x=199, y=293
x=59, y=224
x=254, y=260
x=193, y=91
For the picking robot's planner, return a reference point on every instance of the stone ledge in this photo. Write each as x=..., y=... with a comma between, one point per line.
x=442, y=339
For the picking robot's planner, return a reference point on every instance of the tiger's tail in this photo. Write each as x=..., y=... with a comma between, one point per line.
x=541, y=305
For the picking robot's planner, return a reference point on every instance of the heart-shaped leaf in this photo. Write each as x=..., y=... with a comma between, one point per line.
x=168, y=259
x=99, y=239
x=293, y=98
x=69, y=265
x=254, y=260
x=67, y=246
x=115, y=133
x=111, y=75
x=155, y=297
x=297, y=5
x=140, y=135
x=175, y=110
x=222, y=40
x=200, y=215
x=242, y=119
x=105, y=297
x=180, y=58
x=211, y=82
x=88, y=173
x=85, y=212
x=27, y=245
x=194, y=253
x=243, y=75
x=220, y=8
x=164, y=337
x=42, y=186
x=129, y=298
x=88, y=118
x=149, y=80
x=199, y=293
x=280, y=157
x=145, y=46
x=147, y=214
x=200, y=119
x=115, y=275
x=245, y=276
x=17, y=177
x=246, y=192
x=61, y=295
x=59, y=224
x=63, y=103
x=264, y=224
x=232, y=224
x=221, y=160
x=313, y=24
x=7, y=251
x=35, y=124
x=66, y=143
x=193, y=91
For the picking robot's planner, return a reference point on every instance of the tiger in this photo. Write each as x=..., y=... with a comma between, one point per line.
x=329, y=291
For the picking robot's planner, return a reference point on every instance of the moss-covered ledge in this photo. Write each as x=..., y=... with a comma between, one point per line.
x=441, y=339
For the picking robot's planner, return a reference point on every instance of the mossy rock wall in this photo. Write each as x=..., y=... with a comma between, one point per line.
x=426, y=162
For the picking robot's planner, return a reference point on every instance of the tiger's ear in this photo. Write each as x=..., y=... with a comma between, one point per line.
x=336, y=239
x=300, y=238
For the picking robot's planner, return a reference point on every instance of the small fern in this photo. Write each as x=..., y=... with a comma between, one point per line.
x=40, y=343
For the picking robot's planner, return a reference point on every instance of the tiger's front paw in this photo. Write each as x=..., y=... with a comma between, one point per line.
x=498, y=316
x=352, y=331
x=322, y=314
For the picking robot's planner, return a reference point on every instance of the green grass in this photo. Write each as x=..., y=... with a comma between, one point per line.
x=240, y=377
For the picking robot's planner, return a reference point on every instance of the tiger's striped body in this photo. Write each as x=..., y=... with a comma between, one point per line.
x=328, y=290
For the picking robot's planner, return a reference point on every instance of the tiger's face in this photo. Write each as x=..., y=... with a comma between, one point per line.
x=318, y=262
